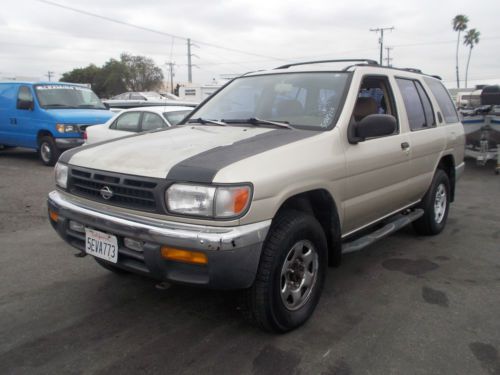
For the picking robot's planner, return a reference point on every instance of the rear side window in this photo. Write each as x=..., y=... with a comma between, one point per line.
x=24, y=95
x=127, y=122
x=417, y=104
x=151, y=121
x=444, y=100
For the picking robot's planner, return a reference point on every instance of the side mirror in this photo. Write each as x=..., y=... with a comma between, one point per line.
x=373, y=126
x=25, y=104
x=106, y=105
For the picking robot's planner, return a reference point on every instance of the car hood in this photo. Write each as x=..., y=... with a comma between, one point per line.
x=183, y=153
x=81, y=116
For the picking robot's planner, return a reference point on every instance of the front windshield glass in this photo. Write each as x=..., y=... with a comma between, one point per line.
x=303, y=100
x=66, y=96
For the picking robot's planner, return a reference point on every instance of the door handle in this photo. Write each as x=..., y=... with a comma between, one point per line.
x=13, y=121
x=405, y=146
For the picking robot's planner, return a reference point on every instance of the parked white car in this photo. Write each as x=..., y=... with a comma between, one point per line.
x=135, y=120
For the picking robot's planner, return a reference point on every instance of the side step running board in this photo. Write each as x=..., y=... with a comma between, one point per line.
x=398, y=222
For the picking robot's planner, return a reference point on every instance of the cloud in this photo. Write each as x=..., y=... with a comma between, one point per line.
x=47, y=37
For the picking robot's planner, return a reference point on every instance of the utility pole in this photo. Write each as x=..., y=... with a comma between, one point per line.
x=171, y=70
x=190, y=67
x=388, y=58
x=49, y=75
x=381, y=38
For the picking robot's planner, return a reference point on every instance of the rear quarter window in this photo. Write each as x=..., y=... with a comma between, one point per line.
x=444, y=100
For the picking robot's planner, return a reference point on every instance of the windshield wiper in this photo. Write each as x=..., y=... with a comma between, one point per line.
x=257, y=121
x=90, y=106
x=204, y=121
x=58, y=105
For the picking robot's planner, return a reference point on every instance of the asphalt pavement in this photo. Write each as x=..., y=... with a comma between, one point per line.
x=406, y=305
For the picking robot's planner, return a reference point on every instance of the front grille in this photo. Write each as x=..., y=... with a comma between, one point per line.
x=112, y=188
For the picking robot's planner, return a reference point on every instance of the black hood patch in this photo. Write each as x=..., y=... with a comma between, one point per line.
x=204, y=166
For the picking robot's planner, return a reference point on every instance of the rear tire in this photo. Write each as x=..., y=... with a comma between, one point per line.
x=291, y=273
x=436, y=205
x=48, y=151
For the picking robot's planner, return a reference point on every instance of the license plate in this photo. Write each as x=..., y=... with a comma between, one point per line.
x=101, y=245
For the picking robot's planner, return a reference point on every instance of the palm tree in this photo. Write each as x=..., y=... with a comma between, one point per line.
x=459, y=24
x=470, y=39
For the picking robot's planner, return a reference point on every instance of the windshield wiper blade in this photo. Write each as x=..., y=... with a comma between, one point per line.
x=257, y=121
x=204, y=121
x=58, y=105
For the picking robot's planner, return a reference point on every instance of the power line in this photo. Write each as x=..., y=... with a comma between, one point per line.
x=114, y=20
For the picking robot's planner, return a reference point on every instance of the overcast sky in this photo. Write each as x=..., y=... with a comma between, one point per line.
x=36, y=37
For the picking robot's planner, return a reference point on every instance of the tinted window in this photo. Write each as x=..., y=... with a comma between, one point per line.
x=24, y=95
x=413, y=105
x=443, y=98
x=175, y=117
x=429, y=112
x=151, y=121
x=128, y=122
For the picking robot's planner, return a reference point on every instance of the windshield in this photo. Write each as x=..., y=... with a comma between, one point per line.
x=176, y=116
x=303, y=100
x=66, y=96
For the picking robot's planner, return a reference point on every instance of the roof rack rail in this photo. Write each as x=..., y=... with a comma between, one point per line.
x=413, y=70
x=367, y=61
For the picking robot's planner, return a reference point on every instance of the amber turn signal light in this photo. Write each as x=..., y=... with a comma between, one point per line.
x=53, y=215
x=185, y=256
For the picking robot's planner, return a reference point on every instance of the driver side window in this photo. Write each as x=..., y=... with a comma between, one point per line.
x=374, y=97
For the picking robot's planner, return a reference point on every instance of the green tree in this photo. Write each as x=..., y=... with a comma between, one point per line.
x=459, y=24
x=141, y=73
x=129, y=73
x=470, y=39
x=81, y=75
x=111, y=79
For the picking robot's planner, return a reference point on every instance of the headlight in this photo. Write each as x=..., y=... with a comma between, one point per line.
x=65, y=128
x=61, y=172
x=208, y=201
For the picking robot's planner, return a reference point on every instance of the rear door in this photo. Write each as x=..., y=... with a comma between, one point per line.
x=427, y=140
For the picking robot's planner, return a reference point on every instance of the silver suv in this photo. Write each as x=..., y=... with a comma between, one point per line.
x=268, y=182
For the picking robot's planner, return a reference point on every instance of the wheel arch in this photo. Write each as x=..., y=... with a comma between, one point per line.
x=320, y=204
x=43, y=133
x=447, y=164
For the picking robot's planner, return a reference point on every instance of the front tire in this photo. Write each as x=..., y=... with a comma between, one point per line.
x=436, y=205
x=291, y=273
x=48, y=151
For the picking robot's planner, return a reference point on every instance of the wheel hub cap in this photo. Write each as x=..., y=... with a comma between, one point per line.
x=440, y=203
x=298, y=275
x=45, y=151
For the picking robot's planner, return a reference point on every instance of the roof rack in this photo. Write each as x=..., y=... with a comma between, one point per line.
x=413, y=70
x=366, y=61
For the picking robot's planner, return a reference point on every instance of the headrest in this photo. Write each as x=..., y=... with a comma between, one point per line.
x=365, y=106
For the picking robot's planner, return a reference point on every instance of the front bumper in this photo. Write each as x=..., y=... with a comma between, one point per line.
x=233, y=252
x=64, y=143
